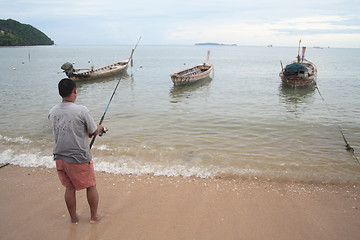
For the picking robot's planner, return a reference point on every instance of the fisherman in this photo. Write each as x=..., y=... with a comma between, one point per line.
x=72, y=127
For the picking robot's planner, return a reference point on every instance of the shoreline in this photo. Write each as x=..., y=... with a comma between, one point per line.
x=159, y=207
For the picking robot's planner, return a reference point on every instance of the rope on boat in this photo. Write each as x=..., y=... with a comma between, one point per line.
x=347, y=145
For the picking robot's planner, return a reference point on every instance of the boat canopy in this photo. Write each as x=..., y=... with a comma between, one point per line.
x=294, y=68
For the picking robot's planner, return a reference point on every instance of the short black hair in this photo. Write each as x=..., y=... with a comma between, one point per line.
x=66, y=86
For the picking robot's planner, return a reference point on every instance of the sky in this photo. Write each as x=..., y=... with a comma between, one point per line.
x=324, y=23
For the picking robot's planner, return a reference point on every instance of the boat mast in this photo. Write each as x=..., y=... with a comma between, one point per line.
x=298, y=56
x=208, y=56
x=303, y=54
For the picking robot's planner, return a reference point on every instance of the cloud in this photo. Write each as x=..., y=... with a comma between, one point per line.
x=259, y=33
x=258, y=22
x=316, y=23
x=232, y=32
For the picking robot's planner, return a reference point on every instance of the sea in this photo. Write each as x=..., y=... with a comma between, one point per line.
x=240, y=123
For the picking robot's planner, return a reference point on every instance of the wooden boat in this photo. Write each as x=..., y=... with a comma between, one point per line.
x=299, y=72
x=90, y=74
x=193, y=74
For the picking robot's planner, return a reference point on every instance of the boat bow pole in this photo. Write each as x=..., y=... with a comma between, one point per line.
x=103, y=116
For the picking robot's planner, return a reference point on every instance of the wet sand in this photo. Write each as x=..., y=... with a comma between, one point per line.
x=149, y=207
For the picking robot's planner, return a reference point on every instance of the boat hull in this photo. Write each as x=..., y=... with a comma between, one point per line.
x=300, y=79
x=192, y=74
x=115, y=68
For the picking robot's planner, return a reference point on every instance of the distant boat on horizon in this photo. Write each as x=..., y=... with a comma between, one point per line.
x=216, y=44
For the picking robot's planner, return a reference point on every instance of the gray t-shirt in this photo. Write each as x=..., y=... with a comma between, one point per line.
x=71, y=125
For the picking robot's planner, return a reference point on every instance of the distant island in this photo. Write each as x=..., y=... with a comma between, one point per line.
x=13, y=33
x=216, y=44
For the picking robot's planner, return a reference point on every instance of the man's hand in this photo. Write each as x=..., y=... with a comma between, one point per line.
x=99, y=129
x=103, y=131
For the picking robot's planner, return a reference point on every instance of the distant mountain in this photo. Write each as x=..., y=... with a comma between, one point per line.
x=13, y=33
x=216, y=44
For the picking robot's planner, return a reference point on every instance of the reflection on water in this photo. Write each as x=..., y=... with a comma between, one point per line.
x=122, y=76
x=295, y=95
x=178, y=92
x=296, y=99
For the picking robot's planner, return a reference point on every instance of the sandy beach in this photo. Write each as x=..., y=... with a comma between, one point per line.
x=152, y=207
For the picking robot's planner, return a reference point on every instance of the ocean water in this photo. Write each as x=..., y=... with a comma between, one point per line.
x=239, y=123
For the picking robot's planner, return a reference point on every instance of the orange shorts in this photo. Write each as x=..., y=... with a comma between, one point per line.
x=78, y=176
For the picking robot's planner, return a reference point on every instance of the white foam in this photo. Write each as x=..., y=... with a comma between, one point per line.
x=26, y=159
x=103, y=148
x=127, y=166
x=5, y=156
x=20, y=139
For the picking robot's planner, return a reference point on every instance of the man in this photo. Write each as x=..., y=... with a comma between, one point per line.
x=72, y=127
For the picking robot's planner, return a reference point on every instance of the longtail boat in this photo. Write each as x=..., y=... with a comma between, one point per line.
x=90, y=74
x=300, y=72
x=193, y=74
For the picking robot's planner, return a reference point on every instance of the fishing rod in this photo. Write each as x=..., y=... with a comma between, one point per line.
x=103, y=116
x=4, y=165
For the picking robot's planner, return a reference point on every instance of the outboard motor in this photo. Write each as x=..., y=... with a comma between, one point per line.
x=68, y=69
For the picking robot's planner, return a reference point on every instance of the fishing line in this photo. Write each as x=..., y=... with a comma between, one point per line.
x=347, y=146
x=103, y=116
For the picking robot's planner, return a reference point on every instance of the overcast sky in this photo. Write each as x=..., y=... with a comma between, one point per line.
x=334, y=23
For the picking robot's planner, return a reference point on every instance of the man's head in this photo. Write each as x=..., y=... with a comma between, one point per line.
x=66, y=87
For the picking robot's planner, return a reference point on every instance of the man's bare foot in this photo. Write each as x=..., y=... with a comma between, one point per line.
x=75, y=219
x=95, y=220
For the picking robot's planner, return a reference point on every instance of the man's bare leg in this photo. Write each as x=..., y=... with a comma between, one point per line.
x=70, y=199
x=93, y=200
